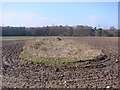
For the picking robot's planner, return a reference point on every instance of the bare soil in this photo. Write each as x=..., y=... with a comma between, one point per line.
x=27, y=74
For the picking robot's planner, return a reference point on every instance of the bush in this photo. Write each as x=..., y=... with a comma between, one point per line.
x=37, y=45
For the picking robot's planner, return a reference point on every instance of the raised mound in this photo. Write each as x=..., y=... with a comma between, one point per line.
x=59, y=52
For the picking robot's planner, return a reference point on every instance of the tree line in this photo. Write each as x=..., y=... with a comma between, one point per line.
x=78, y=30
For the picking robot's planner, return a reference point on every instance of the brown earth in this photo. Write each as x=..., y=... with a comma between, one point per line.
x=25, y=74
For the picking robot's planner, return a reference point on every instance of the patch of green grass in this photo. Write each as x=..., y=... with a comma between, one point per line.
x=54, y=61
x=4, y=38
x=16, y=38
x=49, y=61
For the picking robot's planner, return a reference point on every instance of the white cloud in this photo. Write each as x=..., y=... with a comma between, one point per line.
x=33, y=19
x=96, y=21
x=89, y=20
x=27, y=19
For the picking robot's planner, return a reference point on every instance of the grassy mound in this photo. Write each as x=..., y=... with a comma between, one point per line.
x=58, y=52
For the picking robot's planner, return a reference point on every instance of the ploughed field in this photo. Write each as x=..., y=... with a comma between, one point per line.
x=72, y=62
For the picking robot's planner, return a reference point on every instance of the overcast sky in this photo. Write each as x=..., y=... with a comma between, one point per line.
x=99, y=14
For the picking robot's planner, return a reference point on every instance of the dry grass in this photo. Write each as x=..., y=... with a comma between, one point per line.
x=51, y=51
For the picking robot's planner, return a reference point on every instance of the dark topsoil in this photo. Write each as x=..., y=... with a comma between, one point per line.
x=25, y=74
